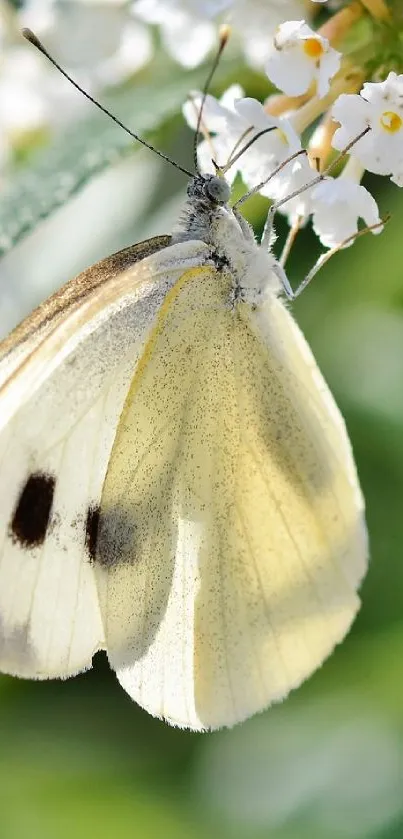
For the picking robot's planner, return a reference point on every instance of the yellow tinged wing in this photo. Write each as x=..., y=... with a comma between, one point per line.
x=232, y=540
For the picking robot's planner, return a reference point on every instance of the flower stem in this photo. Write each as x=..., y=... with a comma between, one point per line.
x=278, y=103
x=377, y=8
x=348, y=80
x=320, y=144
x=339, y=24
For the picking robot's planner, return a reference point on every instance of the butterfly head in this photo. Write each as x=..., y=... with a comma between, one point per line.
x=211, y=187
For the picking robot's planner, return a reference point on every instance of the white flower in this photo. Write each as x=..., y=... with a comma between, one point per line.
x=33, y=99
x=337, y=204
x=379, y=106
x=133, y=50
x=301, y=56
x=397, y=178
x=221, y=121
x=22, y=105
x=189, y=33
x=234, y=122
x=293, y=177
x=99, y=42
x=269, y=151
x=255, y=22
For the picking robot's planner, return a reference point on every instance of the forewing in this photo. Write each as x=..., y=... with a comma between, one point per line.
x=65, y=379
x=32, y=350
x=231, y=539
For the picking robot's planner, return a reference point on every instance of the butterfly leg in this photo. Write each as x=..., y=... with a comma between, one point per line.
x=282, y=276
x=245, y=227
x=321, y=261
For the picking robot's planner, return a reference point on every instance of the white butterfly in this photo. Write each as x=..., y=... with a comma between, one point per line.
x=176, y=482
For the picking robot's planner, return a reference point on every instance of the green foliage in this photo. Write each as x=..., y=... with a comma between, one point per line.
x=396, y=11
x=83, y=150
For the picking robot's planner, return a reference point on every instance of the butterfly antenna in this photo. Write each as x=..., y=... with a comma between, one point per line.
x=320, y=177
x=203, y=130
x=255, y=189
x=332, y=251
x=224, y=34
x=32, y=38
x=235, y=156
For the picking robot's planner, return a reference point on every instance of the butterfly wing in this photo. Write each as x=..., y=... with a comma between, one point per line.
x=231, y=539
x=25, y=352
x=65, y=375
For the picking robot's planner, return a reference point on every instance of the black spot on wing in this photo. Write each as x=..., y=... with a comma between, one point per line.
x=91, y=532
x=31, y=515
x=110, y=538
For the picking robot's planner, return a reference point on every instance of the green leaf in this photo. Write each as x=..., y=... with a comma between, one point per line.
x=59, y=171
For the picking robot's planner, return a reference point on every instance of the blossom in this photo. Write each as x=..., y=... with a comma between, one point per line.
x=269, y=151
x=292, y=178
x=219, y=119
x=397, y=178
x=379, y=107
x=301, y=57
x=24, y=105
x=187, y=31
x=101, y=43
x=34, y=98
x=337, y=205
x=235, y=121
x=255, y=22
x=189, y=27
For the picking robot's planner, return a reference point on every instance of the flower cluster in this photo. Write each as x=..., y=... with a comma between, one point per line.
x=188, y=28
x=101, y=44
x=104, y=43
x=364, y=122
x=320, y=84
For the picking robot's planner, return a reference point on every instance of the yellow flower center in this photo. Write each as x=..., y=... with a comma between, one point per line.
x=313, y=48
x=391, y=122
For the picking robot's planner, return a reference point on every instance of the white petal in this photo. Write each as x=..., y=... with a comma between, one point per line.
x=337, y=205
x=188, y=42
x=231, y=95
x=292, y=72
x=295, y=175
x=352, y=110
x=134, y=52
x=397, y=178
x=290, y=30
x=328, y=68
x=149, y=10
x=253, y=113
x=215, y=116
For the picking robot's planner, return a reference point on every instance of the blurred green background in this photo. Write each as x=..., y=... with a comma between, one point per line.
x=78, y=758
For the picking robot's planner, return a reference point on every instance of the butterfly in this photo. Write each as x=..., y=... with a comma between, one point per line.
x=176, y=483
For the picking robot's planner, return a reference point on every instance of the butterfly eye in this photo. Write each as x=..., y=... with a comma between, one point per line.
x=217, y=190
